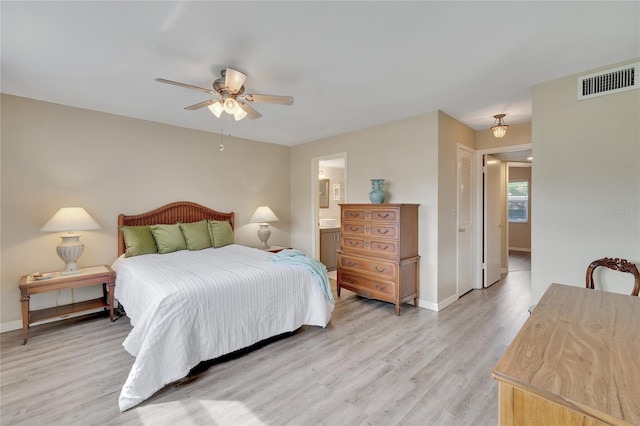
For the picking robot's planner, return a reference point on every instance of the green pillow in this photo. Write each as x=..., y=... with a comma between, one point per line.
x=168, y=238
x=221, y=233
x=138, y=240
x=196, y=235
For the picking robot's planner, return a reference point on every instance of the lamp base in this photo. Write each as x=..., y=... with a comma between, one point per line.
x=263, y=234
x=71, y=272
x=69, y=250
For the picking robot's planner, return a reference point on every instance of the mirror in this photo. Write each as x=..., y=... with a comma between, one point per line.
x=323, y=190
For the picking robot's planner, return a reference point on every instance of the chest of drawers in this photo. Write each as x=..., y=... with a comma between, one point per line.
x=378, y=256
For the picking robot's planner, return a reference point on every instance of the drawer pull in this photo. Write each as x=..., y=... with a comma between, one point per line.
x=385, y=232
x=366, y=244
x=367, y=214
x=354, y=228
x=352, y=214
x=383, y=216
x=383, y=248
x=349, y=280
x=354, y=243
x=346, y=262
x=380, y=270
x=367, y=229
x=379, y=286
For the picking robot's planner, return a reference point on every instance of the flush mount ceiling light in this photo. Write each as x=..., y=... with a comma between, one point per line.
x=499, y=129
x=229, y=96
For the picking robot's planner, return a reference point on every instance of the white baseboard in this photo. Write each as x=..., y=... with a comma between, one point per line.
x=437, y=306
x=520, y=249
x=10, y=326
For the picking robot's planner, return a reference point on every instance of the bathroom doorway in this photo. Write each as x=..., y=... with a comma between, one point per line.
x=330, y=190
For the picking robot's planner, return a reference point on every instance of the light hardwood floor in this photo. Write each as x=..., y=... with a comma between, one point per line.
x=368, y=367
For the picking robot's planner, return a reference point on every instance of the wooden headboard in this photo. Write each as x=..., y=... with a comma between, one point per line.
x=181, y=211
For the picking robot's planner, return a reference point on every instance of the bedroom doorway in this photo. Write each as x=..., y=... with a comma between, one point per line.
x=329, y=189
x=501, y=159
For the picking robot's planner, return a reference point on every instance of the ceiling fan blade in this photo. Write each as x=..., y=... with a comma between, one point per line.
x=251, y=113
x=201, y=104
x=188, y=86
x=270, y=99
x=233, y=80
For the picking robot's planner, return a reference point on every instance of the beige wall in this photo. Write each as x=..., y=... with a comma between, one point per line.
x=587, y=174
x=450, y=133
x=55, y=156
x=414, y=156
x=587, y=177
x=520, y=233
x=405, y=154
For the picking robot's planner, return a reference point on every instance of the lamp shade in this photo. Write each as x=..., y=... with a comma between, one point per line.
x=230, y=105
x=239, y=114
x=499, y=129
x=264, y=214
x=216, y=108
x=70, y=219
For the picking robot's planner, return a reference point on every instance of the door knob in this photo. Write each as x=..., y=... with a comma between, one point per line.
x=461, y=230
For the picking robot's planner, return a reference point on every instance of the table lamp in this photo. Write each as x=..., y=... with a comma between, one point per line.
x=263, y=216
x=69, y=220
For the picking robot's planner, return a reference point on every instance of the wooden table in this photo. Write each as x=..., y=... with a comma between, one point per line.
x=89, y=276
x=575, y=361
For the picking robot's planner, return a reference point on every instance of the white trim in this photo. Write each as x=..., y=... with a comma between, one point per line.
x=437, y=307
x=10, y=326
x=518, y=164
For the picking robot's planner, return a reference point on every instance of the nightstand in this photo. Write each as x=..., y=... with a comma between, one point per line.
x=89, y=276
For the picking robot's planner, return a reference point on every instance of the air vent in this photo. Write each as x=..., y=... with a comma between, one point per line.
x=609, y=81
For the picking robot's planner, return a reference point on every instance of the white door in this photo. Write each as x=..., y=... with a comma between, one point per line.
x=466, y=186
x=492, y=220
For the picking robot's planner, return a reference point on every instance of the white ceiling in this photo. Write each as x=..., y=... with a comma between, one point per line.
x=349, y=65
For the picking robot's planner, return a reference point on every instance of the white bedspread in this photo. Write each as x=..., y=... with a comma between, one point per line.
x=191, y=306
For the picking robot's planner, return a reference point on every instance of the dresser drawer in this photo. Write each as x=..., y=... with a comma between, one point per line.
x=369, y=246
x=375, y=267
x=367, y=287
x=363, y=214
x=386, y=231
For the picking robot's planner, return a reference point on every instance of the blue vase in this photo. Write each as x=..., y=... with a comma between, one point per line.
x=377, y=192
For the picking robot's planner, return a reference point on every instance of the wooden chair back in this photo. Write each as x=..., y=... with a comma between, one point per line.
x=617, y=265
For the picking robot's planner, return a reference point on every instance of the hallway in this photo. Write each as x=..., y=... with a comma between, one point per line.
x=519, y=261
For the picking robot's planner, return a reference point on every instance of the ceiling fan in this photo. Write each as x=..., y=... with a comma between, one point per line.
x=230, y=97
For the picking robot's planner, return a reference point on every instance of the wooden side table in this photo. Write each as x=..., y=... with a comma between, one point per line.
x=89, y=276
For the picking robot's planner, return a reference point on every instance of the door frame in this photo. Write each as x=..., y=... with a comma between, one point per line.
x=315, y=194
x=479, y=270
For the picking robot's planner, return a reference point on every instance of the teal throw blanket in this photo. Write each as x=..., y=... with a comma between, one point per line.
x=317, y=269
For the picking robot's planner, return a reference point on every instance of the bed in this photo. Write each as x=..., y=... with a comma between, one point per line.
x=188, y=306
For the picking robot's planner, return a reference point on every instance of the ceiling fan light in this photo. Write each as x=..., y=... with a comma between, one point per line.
x=239, y=114
x=230, y=106
x=216, y=108
x=499, y=129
